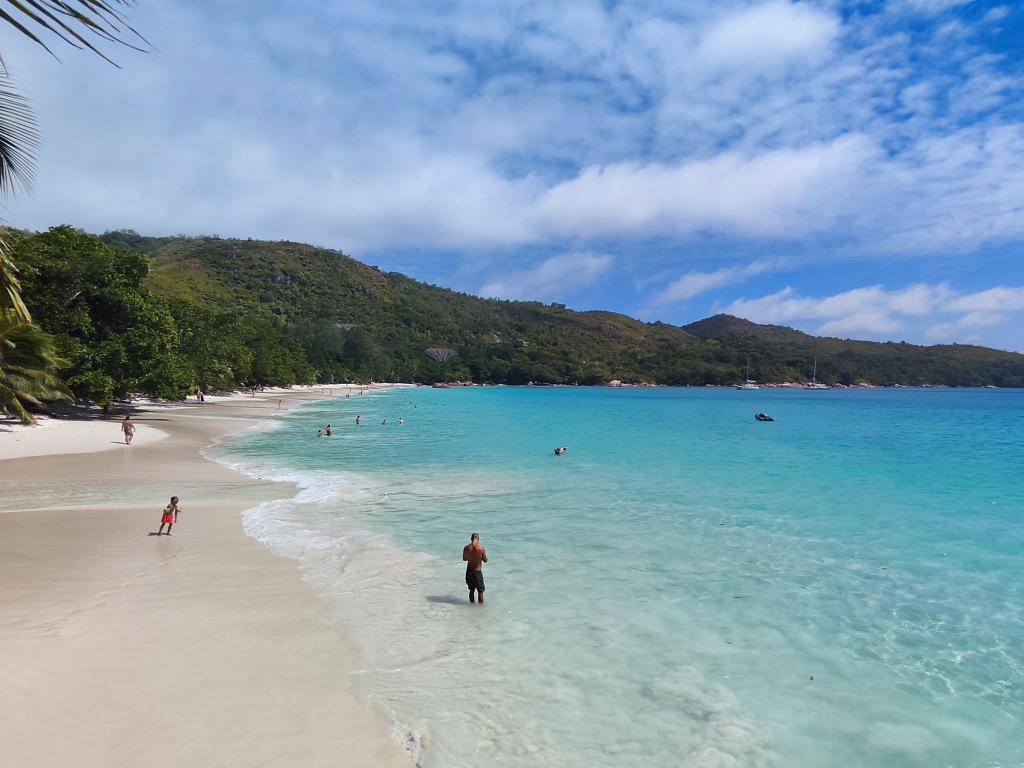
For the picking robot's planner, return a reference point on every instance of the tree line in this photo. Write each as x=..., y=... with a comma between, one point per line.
x=121, y=313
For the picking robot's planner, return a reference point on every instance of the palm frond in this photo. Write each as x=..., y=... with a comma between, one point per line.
x=29, y=366
x=19, y=139
x=78, y=23
x=10, y=287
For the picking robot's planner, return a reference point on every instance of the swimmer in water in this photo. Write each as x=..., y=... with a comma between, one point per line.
x=319, y=433
x=357, y=420
x=329, y=432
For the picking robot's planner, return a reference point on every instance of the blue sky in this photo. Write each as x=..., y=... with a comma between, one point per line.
x=848, y=168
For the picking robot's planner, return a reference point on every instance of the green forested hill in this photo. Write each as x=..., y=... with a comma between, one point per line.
x=505, y=341
x=163, y=315
x=326, y=298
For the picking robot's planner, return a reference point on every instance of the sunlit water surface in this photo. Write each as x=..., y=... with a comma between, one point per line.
x=686, y=586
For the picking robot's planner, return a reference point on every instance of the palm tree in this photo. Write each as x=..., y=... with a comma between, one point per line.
x=78, y=23
x=28, y=366
x=19, y=137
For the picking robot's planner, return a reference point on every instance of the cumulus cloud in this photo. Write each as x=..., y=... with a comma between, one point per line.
x=768, y=193
x=768, y=35
x=371, y=127
x=556, y=277
x=695, y=282
x=937, y=311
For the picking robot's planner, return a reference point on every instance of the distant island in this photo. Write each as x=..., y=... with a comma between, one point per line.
x=163, y=315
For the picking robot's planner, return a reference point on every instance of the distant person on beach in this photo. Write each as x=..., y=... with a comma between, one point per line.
x=279, y=405
x=129, y=430
x=474, y=556
x=200, y=396
x=329, y=432
x=170, y=516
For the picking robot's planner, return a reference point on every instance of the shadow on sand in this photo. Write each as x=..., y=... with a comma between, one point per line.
x=447, y=599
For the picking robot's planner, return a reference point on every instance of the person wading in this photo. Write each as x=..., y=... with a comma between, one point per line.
x=475, y=556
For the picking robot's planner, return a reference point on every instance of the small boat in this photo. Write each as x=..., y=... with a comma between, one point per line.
x=814, y=378
x=763, y=417
x=748, y=383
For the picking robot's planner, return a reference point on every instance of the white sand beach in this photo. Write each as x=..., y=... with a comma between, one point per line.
x=53, y=437
x=123, y=648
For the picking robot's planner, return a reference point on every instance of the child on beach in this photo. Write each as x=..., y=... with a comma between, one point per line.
x=170, y=516
x=129, y=430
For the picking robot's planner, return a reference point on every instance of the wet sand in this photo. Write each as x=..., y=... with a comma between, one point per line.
x=123, y=648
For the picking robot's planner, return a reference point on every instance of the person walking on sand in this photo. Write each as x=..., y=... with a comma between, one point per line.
x=475, y=556
x=129, y=430
x=170, y=516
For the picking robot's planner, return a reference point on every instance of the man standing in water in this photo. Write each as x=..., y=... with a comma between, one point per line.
x=475, y=556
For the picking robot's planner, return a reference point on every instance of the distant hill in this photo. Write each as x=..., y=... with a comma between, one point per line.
x=727, y=326
x=323, y=297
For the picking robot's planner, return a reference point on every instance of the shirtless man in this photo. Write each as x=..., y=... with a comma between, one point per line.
x=475, y=556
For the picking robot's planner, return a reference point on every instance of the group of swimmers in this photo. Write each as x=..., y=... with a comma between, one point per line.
x=328, y=431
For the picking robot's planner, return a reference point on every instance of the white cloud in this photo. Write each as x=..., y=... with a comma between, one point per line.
x=695, y=282
x=557, y=277
x=960, y=328
x=1001, y=299
x=769, y=35
x=930, y=6
x=371, y=127
x=936, y=311
x=763, y=194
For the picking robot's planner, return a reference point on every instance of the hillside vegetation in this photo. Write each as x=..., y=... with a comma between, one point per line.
x=163, y=315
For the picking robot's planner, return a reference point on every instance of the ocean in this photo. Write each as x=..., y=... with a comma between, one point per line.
x=686, y=586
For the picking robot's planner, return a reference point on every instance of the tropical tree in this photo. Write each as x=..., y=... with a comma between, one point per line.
x=28, y=360
x=116, y=336
x=81, y=24
x=19, y=138
x=28, y=365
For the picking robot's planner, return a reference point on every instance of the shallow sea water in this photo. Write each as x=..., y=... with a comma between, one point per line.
x=665, y=592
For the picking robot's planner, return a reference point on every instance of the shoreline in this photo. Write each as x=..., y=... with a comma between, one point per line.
x=202, y=648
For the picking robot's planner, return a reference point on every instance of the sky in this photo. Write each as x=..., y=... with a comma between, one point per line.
x=853, y=169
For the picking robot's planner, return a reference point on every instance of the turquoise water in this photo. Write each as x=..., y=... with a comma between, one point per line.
x=664, y=593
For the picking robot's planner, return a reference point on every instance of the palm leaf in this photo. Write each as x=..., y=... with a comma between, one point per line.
x=19, y=138
x=77, y=23
x=29, y=366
